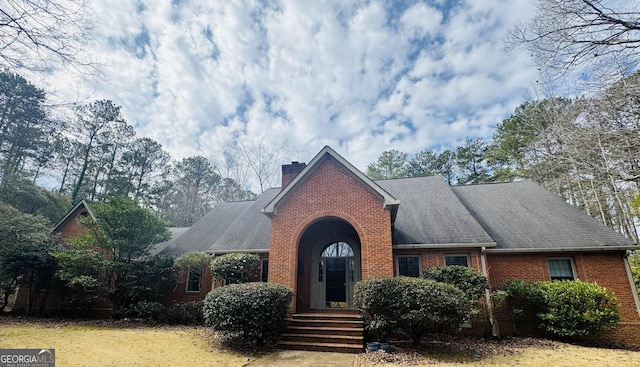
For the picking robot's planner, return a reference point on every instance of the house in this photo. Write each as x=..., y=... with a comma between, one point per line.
x=330, y=226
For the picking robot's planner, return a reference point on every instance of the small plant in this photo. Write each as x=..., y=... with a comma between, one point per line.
x=253, y=312
x=236, y=268
x=186, y=313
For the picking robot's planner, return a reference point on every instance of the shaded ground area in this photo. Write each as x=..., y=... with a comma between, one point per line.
x=126, y=343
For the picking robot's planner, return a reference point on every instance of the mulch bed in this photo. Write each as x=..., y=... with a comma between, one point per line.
x=449, y=348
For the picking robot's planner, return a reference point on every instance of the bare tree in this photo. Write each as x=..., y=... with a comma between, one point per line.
x=41, y=34
x=582, y=36
x=263, y=160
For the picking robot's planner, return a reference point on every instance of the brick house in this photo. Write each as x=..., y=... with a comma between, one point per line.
x=330, y=226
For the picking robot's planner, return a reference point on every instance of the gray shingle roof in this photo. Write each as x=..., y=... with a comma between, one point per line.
x=503, y=217
x=174, y=233
x=231, y=226
x=523, y=215
x=430, y=213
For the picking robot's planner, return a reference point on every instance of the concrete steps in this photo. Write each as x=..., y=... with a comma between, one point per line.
x=324, y=332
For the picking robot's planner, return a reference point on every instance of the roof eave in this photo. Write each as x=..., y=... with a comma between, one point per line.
x=560, y=249
x=441, y=245
x=72, y=212
x=244, y=251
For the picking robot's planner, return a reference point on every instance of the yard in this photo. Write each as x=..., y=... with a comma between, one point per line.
x=108, y=343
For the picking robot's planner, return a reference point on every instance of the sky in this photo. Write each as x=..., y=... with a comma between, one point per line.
x=360, y=76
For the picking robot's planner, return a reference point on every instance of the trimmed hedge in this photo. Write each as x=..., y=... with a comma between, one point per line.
x=416, y=306
x=253, y=312
x=567, y=309
x=236, y=268
x=467, y=279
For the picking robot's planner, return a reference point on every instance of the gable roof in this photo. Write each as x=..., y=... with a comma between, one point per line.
x=80, y=206
x=522, y=216
x=430, y=215
x=426, y=213
x=388, y=201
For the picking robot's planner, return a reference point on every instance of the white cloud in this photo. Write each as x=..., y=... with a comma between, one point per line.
x=361, y=76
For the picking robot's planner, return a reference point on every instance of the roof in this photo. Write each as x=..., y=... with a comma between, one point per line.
x=503, y=217
x=174, y=232
x=388, y=201
x=80, y=206
x=523, y=215
x=431, y=214
x=228, y=227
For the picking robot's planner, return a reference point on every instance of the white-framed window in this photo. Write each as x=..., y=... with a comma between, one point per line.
x=264, y=270
x=561, y=268
x=408, y=265
x=194, y=278
x=457, y=259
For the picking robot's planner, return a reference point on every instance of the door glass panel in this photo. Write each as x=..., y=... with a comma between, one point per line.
x=321, y=271
x=336, y=287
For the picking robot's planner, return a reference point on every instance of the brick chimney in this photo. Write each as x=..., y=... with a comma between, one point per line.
x=290, y=171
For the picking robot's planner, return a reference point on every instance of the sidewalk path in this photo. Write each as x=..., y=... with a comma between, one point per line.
x=307, y=359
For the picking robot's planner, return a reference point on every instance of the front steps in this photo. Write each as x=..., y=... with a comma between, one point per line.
x=324, y=332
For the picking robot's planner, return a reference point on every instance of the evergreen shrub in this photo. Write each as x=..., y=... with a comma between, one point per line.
x=413, y=305
x=254, y=312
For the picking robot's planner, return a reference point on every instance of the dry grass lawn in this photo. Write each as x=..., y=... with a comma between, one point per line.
x=108, y=344
x=91, y=345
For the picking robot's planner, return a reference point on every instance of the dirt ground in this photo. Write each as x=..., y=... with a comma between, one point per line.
x=108, y=343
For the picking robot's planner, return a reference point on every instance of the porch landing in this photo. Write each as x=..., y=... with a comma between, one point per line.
x=332, y=331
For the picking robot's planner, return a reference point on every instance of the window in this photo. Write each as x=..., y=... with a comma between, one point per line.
x=462, y=260
x=193, y=279
x=264, y=271
x=337, y=249
x=561, y=269
x=408, y=266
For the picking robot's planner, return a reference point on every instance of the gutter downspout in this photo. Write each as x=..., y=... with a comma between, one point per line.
x=632, y=283
x=487, y=293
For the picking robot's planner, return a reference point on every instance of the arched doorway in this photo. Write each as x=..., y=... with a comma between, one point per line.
x=330, y=250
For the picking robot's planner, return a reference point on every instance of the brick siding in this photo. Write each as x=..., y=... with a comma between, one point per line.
x=330, y=191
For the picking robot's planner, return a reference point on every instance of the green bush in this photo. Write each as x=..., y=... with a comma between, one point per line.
x=567, y=309
x=415, y=306
x=144, y=310
x=467, y=279
x=254, y=312
x=185, y=313
x=236, y=268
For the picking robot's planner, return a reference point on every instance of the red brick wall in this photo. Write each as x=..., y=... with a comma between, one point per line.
x=329, y=191
x=179, y=292
x=604, y=268
x=72, y=227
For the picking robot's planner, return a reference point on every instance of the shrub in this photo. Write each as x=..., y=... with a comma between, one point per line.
x=144, y=310
x=254, y=312
x=236, y=268
x=414, y=305
x=568, y=309
x=467, y=279
x=185, y=313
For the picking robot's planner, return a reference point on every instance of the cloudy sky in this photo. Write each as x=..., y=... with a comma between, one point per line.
x=360, y=76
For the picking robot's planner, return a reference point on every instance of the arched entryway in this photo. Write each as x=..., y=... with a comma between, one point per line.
x=329, y=265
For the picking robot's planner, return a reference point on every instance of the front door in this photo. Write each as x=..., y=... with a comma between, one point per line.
x=336, y=284
x=335, y=276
